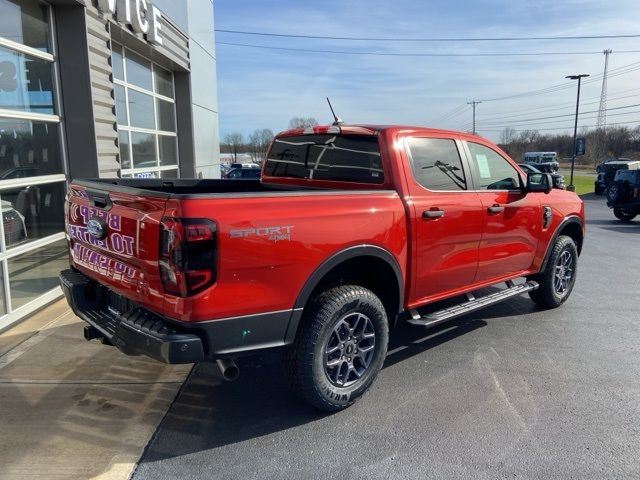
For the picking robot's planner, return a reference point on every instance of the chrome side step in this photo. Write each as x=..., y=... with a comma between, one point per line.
x=471, y=305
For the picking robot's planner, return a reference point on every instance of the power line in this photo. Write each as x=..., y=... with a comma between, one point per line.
x=416, y=54
x=427, y=39
x=565, y=128
x=563, y=116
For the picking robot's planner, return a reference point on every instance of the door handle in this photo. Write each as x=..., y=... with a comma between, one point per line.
x=494, y=209
x=433, y=214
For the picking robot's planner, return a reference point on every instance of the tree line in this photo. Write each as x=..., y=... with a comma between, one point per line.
x=614, y=141
x=258, y=141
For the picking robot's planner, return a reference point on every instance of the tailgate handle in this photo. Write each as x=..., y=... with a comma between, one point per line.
x=99, y=199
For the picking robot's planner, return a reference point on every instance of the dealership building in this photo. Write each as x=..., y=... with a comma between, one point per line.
x=94, y=88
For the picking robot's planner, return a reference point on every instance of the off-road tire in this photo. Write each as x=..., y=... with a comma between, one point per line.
x=306, y=359
x=599, y=190
x=624, y=214
x=547, y=294
x=616, y=192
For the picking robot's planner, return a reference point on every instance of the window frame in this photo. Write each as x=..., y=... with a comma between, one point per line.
x=156, y=132
x=466, y=168
x=11, y=314
x=475, y=174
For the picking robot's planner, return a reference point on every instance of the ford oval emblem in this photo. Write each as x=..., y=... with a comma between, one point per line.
x=97, y=228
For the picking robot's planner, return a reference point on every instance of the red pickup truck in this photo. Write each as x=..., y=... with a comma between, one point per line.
x=350, y=230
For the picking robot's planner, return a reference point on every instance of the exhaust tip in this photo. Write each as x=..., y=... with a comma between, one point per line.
x=228, y=369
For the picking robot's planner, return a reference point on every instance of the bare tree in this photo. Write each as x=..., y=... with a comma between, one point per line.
x=302, y=122
x=259, y=141
x=508, y=136
x=233, y=141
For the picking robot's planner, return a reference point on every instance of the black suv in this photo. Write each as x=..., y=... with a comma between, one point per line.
x=623, y=195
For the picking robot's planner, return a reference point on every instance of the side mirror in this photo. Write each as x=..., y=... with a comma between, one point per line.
x=539, y=182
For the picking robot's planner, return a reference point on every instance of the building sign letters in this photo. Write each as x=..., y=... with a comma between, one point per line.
x=142, y=15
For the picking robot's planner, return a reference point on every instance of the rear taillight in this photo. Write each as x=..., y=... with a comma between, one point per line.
x=188, y=255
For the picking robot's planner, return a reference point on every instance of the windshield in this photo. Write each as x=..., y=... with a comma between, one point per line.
x=348, y=158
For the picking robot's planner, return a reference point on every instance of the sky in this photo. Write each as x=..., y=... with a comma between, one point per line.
x=265, y=88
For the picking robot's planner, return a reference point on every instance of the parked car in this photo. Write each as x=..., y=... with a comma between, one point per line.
x=15, y=229
x=607, y=160
x=623, y=195
x=351, y=230
x=243, y=173
x=608, y=173
x=558, y=179
x=544, y=161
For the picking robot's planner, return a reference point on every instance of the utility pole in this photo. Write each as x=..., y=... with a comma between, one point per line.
x=602, y=113
x=571, y=187
x=473, y=104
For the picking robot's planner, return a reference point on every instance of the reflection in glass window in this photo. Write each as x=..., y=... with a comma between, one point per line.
x=29, y=149
x=123, y=142
x=144, y=150
x=117, y=62
x=25, y=83
x=168, y=150
x=348, y=158
x=25, y=22
x=32, y=212
x=141, y=110
x=436, y=163
x=138, y=71
x=121, y=105
x=166, y=116
x=169, y=174
x=36, y=272
x=494, y=171
x=164, y=82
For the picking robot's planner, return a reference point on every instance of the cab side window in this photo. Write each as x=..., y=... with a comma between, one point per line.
x=436, y=164
x=494, y=171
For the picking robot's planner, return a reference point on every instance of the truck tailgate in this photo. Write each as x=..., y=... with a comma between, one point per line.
x=114, y=239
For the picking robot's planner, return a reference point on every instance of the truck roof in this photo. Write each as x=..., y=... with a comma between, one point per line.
x=368, y=129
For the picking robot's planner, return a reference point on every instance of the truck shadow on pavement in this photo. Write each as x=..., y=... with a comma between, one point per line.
x=210, y=413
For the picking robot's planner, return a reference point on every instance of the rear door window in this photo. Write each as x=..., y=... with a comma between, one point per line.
x=344, y=158
x=436, y=164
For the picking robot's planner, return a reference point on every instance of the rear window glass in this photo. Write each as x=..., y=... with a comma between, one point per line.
x=352, y=158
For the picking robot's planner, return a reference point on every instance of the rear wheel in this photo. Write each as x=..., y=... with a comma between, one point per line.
x=559, y=276
x=616, y=192
x=624, y=214
x=340, y=347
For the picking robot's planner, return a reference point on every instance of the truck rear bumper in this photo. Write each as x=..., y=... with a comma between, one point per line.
x=137, y=331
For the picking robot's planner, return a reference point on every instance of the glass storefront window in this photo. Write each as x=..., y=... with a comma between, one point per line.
x=121, y=105
x=32, y=212
x=168, y=150
x=141, y=110
x=123, y=141
x=33, y=246
x=144, y=150
x=25, y=22
x=35, y=273
x=29, y=148
x=138, y=71
x=164, y=82
x=117, y=62
x=26, y=84
x=146, y=116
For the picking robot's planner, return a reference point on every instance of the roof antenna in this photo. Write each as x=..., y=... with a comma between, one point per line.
x=336, y=120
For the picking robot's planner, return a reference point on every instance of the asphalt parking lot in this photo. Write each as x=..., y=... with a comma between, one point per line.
x=510, y=391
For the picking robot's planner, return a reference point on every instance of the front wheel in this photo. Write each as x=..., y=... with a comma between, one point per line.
x=556, y=281
x=624, y=214
x=340, y=347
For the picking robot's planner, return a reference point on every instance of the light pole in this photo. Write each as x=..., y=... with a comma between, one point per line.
x=575, y=127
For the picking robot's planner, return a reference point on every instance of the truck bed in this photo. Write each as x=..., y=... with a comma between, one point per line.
x=186, y=188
